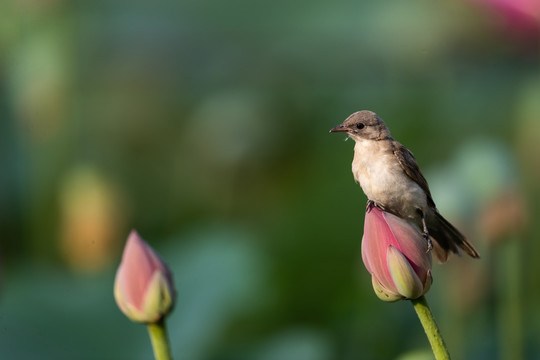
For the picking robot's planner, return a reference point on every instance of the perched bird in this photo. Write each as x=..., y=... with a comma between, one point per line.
x=390, y=177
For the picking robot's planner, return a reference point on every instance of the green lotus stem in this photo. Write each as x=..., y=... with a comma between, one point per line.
x=160, y=341
x=430, y=327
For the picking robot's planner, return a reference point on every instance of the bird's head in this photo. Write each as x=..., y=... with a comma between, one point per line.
x=363, y=125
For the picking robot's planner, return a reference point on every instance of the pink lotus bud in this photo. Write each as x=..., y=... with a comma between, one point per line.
x=143, y=287
x=395, y=254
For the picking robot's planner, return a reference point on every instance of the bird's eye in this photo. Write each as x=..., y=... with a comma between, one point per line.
x=360, y=126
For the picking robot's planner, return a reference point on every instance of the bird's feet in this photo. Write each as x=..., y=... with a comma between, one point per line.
x=425, y=232
x=371, y=203
x=429, y=242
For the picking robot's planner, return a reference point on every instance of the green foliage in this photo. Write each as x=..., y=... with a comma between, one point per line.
x=204, y=125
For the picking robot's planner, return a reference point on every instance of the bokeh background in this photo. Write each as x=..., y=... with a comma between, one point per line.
x=204, y=125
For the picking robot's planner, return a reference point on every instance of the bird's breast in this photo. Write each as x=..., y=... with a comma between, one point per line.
x=383, y=180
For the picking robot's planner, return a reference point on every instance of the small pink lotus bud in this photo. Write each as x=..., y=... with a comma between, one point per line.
x=395, y=254
x=143, y=287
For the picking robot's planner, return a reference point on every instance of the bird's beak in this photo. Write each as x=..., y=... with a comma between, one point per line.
x=339, y=128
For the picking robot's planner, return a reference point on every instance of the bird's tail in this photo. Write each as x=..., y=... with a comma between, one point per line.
x=447, y=238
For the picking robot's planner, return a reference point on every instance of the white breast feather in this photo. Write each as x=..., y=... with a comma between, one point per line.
x=383, y=180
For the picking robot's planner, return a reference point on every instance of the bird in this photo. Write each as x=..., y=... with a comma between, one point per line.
x=391, y=179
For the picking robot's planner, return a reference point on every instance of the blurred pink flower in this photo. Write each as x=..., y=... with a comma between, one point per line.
x=518, y=16
x=143, y=287
x=395, y=254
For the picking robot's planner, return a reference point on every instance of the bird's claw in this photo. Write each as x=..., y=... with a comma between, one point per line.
x=371, y=203
x=425, y=233
x=429, y=243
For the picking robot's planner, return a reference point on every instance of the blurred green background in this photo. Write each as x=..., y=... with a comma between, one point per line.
x=204, y=125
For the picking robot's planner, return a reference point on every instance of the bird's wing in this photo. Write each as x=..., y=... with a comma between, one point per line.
x=408, y=164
